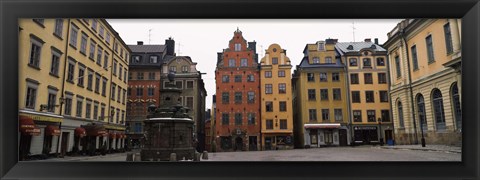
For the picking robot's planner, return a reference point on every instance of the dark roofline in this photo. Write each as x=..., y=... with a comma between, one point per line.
x=116, y=33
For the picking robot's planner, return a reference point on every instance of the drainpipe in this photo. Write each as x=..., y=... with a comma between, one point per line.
x=390, y=95
x=402, y=34
x=349, y=107
x=62, y=98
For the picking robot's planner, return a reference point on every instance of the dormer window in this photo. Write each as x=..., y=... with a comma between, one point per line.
x=136, y=59
x=321, y=46
x=373, y=46
x=316, y=60
x=350, y=47
x=154, y=59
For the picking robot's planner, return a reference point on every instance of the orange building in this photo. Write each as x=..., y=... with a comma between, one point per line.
x=238, y=98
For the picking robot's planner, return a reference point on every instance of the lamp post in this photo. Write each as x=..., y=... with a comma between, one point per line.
x=380, y=130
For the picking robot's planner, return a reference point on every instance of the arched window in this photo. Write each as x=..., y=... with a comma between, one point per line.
x=438, y=112
x=421, y=112
x=400, y=115
x=457, y=109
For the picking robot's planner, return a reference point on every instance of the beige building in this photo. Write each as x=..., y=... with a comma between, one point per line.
x=72, y=85
x=276, y=99
x=367, y=75
x=425, y=70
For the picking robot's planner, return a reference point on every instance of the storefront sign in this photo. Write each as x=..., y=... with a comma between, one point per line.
x=365, y=128
x=37, y=117
x=107, y=126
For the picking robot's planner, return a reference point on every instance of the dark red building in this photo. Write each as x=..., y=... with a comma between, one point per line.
x=238, y=97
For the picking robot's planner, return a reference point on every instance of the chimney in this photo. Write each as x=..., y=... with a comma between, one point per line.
x=219, y=56
x=170, y=43
x=253, y=46
x=139, y=42
x=376, y=41
x=368, y=40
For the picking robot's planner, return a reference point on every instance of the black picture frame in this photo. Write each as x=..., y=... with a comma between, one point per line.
x=10, y=11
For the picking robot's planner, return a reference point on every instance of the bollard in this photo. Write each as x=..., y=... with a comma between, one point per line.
x=173, y=157
x=129, y=156
x=197, y=156
x=205, y=155
x=137, y=157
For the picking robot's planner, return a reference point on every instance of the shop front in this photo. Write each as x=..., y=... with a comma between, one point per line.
x=27, y=129
x=96, y=139
x=42, y=140
x=326, y=134
x=277, y=141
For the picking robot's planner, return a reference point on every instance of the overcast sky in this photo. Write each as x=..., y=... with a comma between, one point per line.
x=202, y=39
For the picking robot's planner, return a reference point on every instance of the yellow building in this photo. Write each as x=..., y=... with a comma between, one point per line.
x=276, y=99
x=425, y=70
x=367, y=74
x=320, y=97
x=72, y=83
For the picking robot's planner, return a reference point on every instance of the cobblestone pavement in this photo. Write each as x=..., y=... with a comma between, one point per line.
x=358, y=153
x=440, y=148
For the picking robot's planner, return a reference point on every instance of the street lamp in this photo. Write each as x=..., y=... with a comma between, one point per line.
x=380, y=129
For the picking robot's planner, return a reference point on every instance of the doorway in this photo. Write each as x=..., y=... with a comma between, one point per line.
x=328, y=136
x=238, y=144
x=252, y=143
x=64, y=145
x=388, y=136
x=343, y=137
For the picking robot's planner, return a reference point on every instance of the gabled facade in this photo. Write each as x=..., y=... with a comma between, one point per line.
x=237, y=118
x=425, y=70
x=320, y=97
x=276, y=99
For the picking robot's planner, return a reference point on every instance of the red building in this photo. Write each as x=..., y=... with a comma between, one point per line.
x=238, y=97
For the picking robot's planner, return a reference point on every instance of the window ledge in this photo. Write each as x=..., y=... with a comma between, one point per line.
x=54, y=75
x=72, y=46
x=34, y=67
x=58, y=36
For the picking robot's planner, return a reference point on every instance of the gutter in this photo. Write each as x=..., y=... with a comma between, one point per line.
x=62, y=97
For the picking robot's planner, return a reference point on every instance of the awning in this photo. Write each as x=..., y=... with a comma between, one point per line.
x=322, y=126
x=26, y=122
x=33, y=132
x=41, y=116
x=51, y=130
x=113, y=135
x=95, y=130
x=119, y=135
x=80, y=132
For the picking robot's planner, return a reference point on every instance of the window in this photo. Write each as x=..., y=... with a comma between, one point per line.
x=136, y=59
x=238, y=118
x=282, y=88
x=129, y=91
x=113, y=91
x=225, y=97
x=190, y=103
x=55, y=63
x=31, y=97
x=179, y=84
x=268, y=74
x=130, y=75
x=81, y=74
x=281, y=73
x=369, y=97
x=353, y=61
x=371, y=116
x=125, y=75
x=380, y=62
x=95, y=110
x=323, y=77
x=91, y=54
x=283, y=124
x=225, y=118
x=312, y=114
x=368, y=78
x=335, y=77
x=400, y=115
x=102, y=112
x=52, y=98
x=439, y=113
x=68, y=106
x=104, y=87
x=189, y=84
x=151, y=75
x=35, y=51
x=238, y=47
x=73, y=36
x=269, y=124
x=88, y=108
x=58, y=27
x=114, y=69
x=337, y=94
x=115, y=46
x=139, y=91
x=94, y=25
x=79, y=107
x=124, y=96
x=225, y=78
x=316, y=60
x=448, y=38
x=238, y=78
x=251, y=118
x=383, y=96
x=274, y=60
x=357, y=115
x=150, y=91
x=243, y=62
x=324, y=94
x=251, y=97
x=311, y=94
x=238, y=97
x=140, y=75
x=283, y=106
x=108, y=38
x=102, y=31
x=382, y=78
x=385, y=115
x=367, y=63
x=185, y=69
x=354, y=78
x=173, y=69
x=231, y=63
x=269, y=106
x=397, y=65
x=154, y=59
x=338, y=114
x=83, y=44
x=310, y=77
x=120, y=68
x=268, y=89
x=355, y=96
x=328, y=60
x=71, y=71
x=39, y=21
x=431, y=57
x=414, y=57
x=325, y=114
x=321, y=46
x=457, y=109
x=250, y=78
